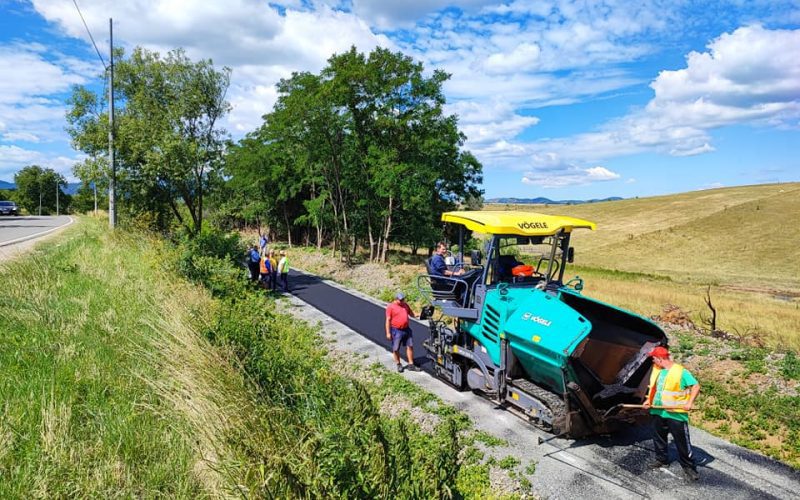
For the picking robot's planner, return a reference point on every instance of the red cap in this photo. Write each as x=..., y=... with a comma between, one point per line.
x=659, y=352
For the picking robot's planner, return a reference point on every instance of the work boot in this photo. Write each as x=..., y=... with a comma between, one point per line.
x=657, y=464
x=413, y=368
x=691, y=474
x=399, y=368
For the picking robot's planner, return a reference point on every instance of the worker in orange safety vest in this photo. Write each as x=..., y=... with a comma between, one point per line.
x=670, y=396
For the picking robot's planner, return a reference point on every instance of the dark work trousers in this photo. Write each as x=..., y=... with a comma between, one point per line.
x=680, y=434
x=285, y=281
x=273, y=281
x=254, y=270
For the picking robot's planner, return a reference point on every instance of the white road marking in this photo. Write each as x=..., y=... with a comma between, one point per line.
x=35, y=235
x=568, y=458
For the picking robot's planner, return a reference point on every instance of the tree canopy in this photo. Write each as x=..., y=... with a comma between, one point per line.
x=40, y=187
x=360, y=152
x=169, y=141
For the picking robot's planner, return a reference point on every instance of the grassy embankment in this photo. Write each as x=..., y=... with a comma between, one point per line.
x=120, y=378
x=650, y=253
x=82, y=385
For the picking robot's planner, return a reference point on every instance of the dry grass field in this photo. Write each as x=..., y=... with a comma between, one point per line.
x=742, y=242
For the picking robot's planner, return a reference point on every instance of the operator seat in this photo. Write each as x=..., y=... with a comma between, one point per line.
x=505, y=263
x=455, y=289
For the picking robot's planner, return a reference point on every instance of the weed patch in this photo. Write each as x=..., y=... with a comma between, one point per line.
x=790, y=366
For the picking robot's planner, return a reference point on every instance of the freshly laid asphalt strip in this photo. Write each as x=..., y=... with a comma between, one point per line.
x=363, y=316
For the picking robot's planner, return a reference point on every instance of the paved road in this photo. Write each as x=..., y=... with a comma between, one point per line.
x=601, y=467
x=16, y=229
x=363, y=316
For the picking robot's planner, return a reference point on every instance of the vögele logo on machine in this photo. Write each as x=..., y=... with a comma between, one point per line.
x=536, y=319
x=532, y=225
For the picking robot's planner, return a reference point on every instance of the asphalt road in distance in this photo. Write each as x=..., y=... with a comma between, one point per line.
x=16, y=229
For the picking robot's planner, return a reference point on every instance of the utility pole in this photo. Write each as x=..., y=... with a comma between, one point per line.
x=40, y=198
x=112, y=181
x=57, y=190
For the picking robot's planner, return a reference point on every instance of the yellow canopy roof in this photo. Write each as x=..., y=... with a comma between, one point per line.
x=515, y=222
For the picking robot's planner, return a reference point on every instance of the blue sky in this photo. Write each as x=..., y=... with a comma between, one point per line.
x=560, y=99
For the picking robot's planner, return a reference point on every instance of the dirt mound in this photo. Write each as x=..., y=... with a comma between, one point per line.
x=674, y=316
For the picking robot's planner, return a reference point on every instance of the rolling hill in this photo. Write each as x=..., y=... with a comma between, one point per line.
x=742, y=236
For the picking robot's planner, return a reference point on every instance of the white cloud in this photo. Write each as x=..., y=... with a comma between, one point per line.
x=28, y=110
x=749, y=76
x=14, y=158
x=601, y=174
x=568, y=176
x=259, y=43
x=387, y=14
x=523, y=57
x=483, y=123
x=20, y=137
x=692, y=151
x=27, y=73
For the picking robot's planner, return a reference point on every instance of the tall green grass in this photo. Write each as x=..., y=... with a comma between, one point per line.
x=76, y=415
x=324, y=434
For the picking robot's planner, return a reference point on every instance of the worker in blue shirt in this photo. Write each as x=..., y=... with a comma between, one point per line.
x=253, y=262
x=438, y=265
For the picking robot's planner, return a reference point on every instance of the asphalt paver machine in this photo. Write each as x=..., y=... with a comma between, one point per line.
x=509, y=328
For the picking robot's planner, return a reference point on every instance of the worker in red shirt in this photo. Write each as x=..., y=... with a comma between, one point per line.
x=399, y=331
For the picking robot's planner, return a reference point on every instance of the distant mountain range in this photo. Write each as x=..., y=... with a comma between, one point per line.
x=72, y=187
x=547, y=201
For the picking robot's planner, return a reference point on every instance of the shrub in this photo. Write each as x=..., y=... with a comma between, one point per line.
x=790, y=366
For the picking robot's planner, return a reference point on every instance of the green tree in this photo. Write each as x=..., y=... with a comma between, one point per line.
x=40, y=190
x=359, y=148
x=94, y=175
x=169, y=142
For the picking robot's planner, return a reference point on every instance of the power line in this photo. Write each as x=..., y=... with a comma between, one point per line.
x=90, y=34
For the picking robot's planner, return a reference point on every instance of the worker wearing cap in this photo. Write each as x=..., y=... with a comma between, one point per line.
x=399, y=331
x=670, y=396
